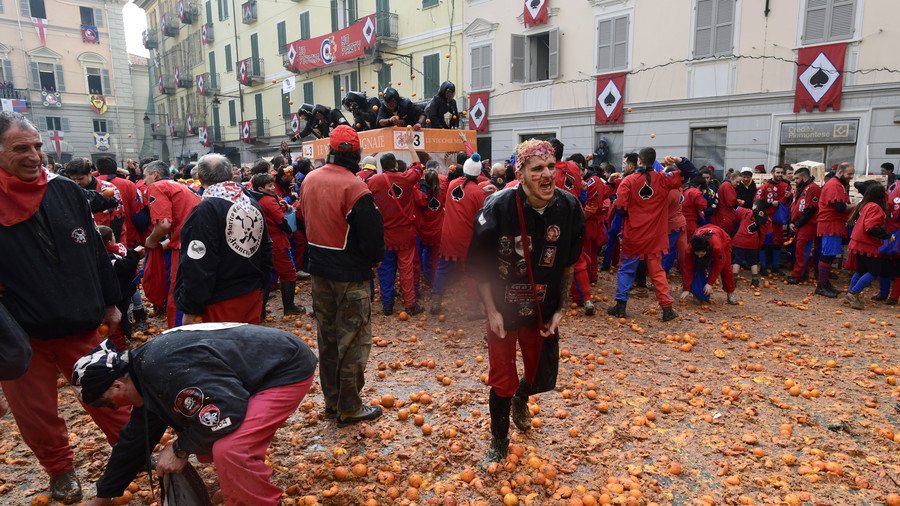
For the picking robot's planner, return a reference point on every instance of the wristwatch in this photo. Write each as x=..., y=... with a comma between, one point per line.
x=181, y=454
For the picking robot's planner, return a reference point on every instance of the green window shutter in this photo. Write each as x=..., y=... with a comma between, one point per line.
x=337, y=90
x=209, y=18
x=429, y=3
x=217, y=127
x=352, y=7
x=232, y=113
x=282, y=36
x=258, y=102
x=285, y=105
x=334, y=15
x=308, y=96
x=354, y=81
x=384, y=77
x=225, y=8
x=304, y=25
x=431, y=68
x=254, y=46
x=229, y=64
x=213, y=78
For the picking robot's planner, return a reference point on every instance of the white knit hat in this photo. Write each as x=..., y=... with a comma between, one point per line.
x=472, y=166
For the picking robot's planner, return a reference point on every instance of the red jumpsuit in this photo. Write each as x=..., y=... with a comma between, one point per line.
x=724, y=215
x=720, y=259
x=430, y=220
x=775, y=193
x=131, y=203
x=692, y=207
x=568, y=177
x=807, y=199
x=273, y=209
x=594, y=233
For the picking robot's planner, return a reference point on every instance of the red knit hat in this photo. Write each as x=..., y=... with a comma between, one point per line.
x=344, y=139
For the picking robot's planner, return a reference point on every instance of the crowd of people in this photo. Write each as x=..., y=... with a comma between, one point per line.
x=209, y=243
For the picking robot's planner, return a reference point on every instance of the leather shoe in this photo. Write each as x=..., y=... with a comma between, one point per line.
x=65, y=488
x=363, y=414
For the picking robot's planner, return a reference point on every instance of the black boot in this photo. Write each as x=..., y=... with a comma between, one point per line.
x=754, y=281
x=669, y=314
x=287, y=298
x=140, y=320
x=499, y=408
x=618, y=310
x=521, y=416
x=436, y=303
x=65, y=488
x=826, y=290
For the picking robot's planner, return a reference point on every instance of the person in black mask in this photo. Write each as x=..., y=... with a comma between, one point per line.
x=442, y=104
x=364, y=110
x=319, y=121
x=398, y=111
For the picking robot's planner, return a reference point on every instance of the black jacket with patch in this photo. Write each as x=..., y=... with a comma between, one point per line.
x=408, y=111
x=55, y=268
x=198, y=380
x=217, y=260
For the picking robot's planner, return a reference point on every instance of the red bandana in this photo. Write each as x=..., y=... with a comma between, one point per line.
x=24, y=197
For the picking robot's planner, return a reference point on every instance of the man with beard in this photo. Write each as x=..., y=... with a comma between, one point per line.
x=804, y=218
x=641, y=201
x=525, y=242
x=745, y=189
x=363, y=109
x=398, y=111
x=441, y=105
x=79, y=170
x=831, y=226
x=708, y=257
x=777, y=192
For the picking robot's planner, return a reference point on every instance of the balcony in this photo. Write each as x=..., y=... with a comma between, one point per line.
x=259, y=129
x=208, y=84
x=177, y=128
x=215, y=134
x=387, y=28
x=166, y=84
x=251, y=71
x=207, y=33
x=8, y=90
x=248, y=12
x=169, y=25
x=188, y=12
x=151, y=39
x=183, y=78
x=158, y=132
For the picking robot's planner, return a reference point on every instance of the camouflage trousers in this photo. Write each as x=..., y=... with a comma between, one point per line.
x=343, y=311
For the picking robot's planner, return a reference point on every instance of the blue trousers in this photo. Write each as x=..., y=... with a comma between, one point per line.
x=426, y=253
x=668, y=260
x=446, y=269
x=625, y=277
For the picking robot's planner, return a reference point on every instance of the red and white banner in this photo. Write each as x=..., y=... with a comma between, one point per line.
x=189, y=124
x=56, y=138
x=295, y=122
x=536, y=12
x=201, y=84
x=203, y=134
x=478, y=111
x=246, y=132
x=40, y=26
x=610, y=97
x=204, y=34
x=244, y=71
x=820, y=77
x=336, y=47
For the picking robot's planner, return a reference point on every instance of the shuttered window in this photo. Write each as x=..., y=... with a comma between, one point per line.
x=612, y=44
x=481, y=57
x=308, y=97
x=384, y=77
x=535, y=57
x=285, y=105
x=304, y=25
x=431, y=67
x=714, y=29
x=232, y=113
x=229, y=64
x=281, y=30
x=829, y=21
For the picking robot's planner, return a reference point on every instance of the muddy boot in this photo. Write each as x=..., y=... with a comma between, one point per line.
x=436, y=304
x=732, y=299
x=855, y=301
x=827, y=290
x=754, y=281
x=363, y=414
x=793, y=281
x=140, y=320
x=669, y=314
x=65, y=488
x=415, y=309
x=497, y=452
x=521, y=416
x=287, y=299
x=589, y=308
x=618, y=310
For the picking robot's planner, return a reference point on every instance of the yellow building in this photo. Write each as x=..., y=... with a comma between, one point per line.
x=416, y=45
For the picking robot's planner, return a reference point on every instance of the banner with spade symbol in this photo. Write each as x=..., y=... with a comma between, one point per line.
x=478, y=111
x=536, y=12
x=203, y=134
x=246, y=132
x=820, y=77
x=337, y=47
x=610, y=97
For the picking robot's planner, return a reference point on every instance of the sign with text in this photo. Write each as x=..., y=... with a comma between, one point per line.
x=336, y=47
x=382, y=140
x=820, y=132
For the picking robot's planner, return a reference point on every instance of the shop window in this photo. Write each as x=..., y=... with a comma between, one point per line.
x=708, y=147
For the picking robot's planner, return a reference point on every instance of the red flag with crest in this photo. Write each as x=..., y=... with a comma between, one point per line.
x=610, y=97
x=820, y=77
x=536, y=12
x=478, y=111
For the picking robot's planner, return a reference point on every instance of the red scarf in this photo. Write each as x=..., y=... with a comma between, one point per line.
x=21, y=199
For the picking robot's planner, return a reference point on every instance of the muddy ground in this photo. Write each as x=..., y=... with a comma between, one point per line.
x=786, y=399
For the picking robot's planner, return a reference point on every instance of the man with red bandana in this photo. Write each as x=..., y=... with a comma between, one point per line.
x=170, y=204
x=831, y=226
x=708, y=257
x=804, y=218
x=394, y=194
x=777, y=192
x=641, y=201
x=58, y=286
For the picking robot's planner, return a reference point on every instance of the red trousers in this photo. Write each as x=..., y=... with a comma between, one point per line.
x=284, y=265
x=240, y=457
x=581, y=288
x=33, y=400
x=503, y=376
x=805, y=235
x=245, y=308
x=658, y=277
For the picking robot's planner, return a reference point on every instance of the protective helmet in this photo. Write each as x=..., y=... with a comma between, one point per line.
x=389, y=94
x=306, y=111
x=445, y=87
x=354, y=98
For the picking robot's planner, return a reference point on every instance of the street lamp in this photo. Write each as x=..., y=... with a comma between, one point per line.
x=379, y=63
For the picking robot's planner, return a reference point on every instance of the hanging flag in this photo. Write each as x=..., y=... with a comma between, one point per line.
x=203, y=134
x=246, y=132
x=341, y=46
x=101, y=141
x=204, y=34
x=295, y=122
x=288, y=85
x=98, y=104
x=181, y=10
x=56, y=137
x=51, y=98
x=243, y=71
x=201, y=84
x=820, y=77
x=14, y=105
x=610, y=97
x=40, y=26
x=478, y=111
x=536, y=12
x=90, y=34
x=177, y=76
x=189, y=124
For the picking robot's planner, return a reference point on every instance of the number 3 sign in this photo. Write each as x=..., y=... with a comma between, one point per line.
x=418, y=140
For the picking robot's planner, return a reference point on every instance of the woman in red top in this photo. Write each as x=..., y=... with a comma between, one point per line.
x=274, y=210
x=868, y=234
x=753, y=225
x=430, y=199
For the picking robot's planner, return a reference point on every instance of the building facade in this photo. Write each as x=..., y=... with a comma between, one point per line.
x=64, y=65
x=245, y=46
x=711, y=79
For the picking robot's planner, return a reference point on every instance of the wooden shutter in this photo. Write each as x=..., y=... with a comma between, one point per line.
x=816, y=16
x=334, y=15
x=487, y=69
x=517, y=65
x=304, y=25
x=554, y=53
x=209, y=19
x=258, y=102
x=604, y=45
x=281, y=29
x=723, y=43
x=60, y=79
x=432, y=70
x=213, y=78
x=109, y=126
x=285, y=105
x=35, y=76
x=225, y=8
x=842, y=20
x=216, y=125
x=352, y=11
x=354, y=81
x=7, y=70
x=620, y=43
x=98, y=18
x=64, y=124
x=384, y=77
x=703, y=32
x=232, y=113
x=107, y=85
x=229, y=64
x=475, y=59
x=308, y=96
x=25, y=7
x=337, y=90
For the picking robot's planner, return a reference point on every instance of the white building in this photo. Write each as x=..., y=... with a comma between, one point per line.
x=711, y=79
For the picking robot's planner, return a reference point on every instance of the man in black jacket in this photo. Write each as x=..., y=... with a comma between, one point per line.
x=346, y=240
x=319, y=121
x=398, y=111
x=226, y=251
x=59, y=286
x=745, y=189
x=442, y=104
x=225, y=388
x=364, y=110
